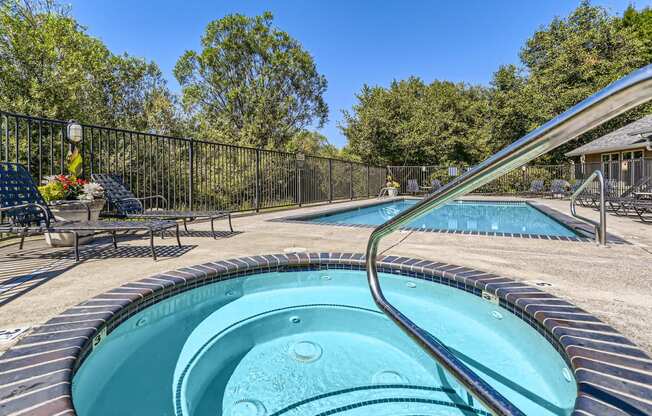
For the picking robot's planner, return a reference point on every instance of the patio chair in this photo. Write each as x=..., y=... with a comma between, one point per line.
x=558, y=187
x=435, y=184
x=624, y=201
x=413, y=186
x=643, y=208
x=590, y=197
x=580, y=199
x=536, y=187
x=128, y=206
x=27, y=213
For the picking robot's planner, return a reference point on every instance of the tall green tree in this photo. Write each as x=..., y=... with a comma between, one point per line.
x=414, y=123
x=50, y=66
x=561, y=64
x=311, y=143
x=640, y=21
x=510, y=110
x=251, y=83
x=571, y=59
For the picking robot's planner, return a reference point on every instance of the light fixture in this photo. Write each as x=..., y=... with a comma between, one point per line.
x=75, y=131
x=301, y=160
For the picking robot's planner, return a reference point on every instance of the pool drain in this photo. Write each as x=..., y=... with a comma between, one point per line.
x=388, y=377
x=411, y=285
x=295, y=319
x=305, y=351
x=248, y=408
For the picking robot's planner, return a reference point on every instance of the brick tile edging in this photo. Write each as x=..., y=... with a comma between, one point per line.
x=614, y=377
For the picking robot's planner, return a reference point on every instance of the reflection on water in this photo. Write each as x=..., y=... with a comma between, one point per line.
x=519, y=218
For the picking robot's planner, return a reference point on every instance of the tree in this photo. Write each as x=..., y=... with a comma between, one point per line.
x=311, y=143
x=640, y=21
x=251, y=83
x=571, y=59
x=561, y=64
x=414, y=123
x=510, y=109
x=50, y=67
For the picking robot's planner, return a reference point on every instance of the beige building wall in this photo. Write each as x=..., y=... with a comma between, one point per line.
x=597, y=157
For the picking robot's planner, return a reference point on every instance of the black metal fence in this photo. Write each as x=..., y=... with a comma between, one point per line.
x=620, y=174
x=189, y=173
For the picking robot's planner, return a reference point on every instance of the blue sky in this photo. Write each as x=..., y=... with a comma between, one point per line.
x=352, y=42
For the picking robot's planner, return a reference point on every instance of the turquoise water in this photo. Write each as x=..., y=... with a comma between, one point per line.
x=314, y=343
x=519, y=218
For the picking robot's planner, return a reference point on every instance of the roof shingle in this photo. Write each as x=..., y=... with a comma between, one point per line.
x=620, y=139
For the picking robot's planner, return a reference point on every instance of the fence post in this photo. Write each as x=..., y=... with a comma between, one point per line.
x=191, y=175
x=257, y=180
x=351, y=180
x=368, y=188
x=298, y=175
x=330, y=180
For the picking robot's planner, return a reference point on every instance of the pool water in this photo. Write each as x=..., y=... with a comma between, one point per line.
x=314, y=343
x=497, y=217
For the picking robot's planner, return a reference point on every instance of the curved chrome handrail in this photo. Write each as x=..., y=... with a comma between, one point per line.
x=601, y=228
x=616, y=98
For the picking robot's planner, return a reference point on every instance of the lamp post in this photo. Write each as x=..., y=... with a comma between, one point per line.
x=75, y=134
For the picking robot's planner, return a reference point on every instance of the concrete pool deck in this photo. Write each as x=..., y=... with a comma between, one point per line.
x=614, y=283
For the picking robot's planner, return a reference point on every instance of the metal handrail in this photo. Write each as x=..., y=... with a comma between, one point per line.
x=600, y=228
x=616, y=98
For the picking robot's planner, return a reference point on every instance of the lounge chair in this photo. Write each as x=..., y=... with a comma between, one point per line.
x=590, y=198
x=27, y=213
x=128, y=206
x=413, y=186
x=624, y=201
x=580, y=199
x=642, y=208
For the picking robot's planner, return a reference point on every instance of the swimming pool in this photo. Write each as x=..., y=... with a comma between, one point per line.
x=512, y=218
x=312, y=342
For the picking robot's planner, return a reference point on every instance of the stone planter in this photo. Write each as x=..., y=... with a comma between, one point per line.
x=392, y=192
x=74, y=213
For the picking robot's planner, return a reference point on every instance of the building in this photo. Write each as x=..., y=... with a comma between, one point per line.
x=633, y=141
x=624, y=155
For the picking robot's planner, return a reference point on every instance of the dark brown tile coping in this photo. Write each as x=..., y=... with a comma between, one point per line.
x=584, y=232
x=614, y=377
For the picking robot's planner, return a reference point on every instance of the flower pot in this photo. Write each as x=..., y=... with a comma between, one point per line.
x=74, y=213
x=392, y=192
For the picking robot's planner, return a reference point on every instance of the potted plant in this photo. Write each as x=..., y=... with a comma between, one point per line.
x=58, y=191
x=392, y=187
